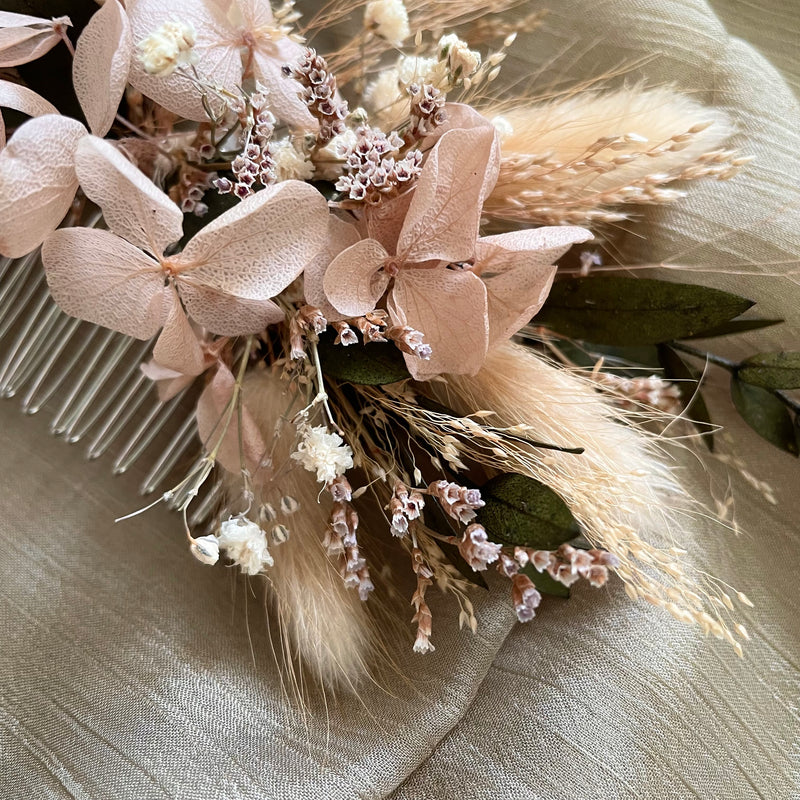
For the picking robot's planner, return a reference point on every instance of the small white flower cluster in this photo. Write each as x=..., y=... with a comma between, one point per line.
x=245, y=543
x=388, y=19
x=167, y=48
x=289, y=163
x=460, y=62
x=324, y=453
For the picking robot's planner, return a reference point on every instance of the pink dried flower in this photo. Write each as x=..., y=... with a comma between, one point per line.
x=122, y=280
x=233, y=40
x=409, y=341
x=525, y=597
x=25, y=38
x=458, y=501
x=372, y=169
x=319, y=94
x=424, y=249
x=427, y=110
x=405, y=506
x=345, y=335
x=476, y=549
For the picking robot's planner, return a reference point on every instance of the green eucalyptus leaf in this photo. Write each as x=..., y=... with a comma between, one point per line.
x=371, y=364
x=521, y=511
x=765, y=414
x=635, y=311
x=772, y=370
x=735, y=326
x=688, y=385
x=544, y=583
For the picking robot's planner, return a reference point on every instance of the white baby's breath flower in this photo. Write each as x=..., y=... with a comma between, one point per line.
x=167, y=47
x=324, y=453
x=289, y=163
x=503, y=127
x=388, y=19
x=245, y=543
x=205, y=549
x=461, y=61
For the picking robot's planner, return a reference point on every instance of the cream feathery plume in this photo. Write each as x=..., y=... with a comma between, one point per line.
x=577, y=160
x=620, y=489
x=322, y=625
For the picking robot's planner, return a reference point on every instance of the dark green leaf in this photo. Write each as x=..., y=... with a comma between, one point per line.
x=544, y=583
x=735, y=326
x=522, y=511
x=772, y=370
x=765, y=414
x=616, y=360
x=686, y=381
x=635, y=311
x=371, y=364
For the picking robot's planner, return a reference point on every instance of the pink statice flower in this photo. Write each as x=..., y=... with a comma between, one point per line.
x=234, y=41
x=224, y=278
x=464, y=293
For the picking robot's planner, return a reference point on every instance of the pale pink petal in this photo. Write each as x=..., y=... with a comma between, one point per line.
x=464, y=117
x=133, y=207
x=284, y=92
x=212, y=412
x=449, y=307
x=96, y=276
x=254, y=14
x=37, y=181
x=177, y=346
x=516, y=268
x=341, y=235
x=443, y=218
x=168, y=382
x=100, y=66
x=20, y=98
x=354, y=281
x=384, y=221
x=10, y=19
x=257, y=248
x=226, y=315
x=533, y=246
x=19, y=44
x=217, y=49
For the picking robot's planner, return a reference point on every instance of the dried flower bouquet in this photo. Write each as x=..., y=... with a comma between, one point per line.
x=354, y=254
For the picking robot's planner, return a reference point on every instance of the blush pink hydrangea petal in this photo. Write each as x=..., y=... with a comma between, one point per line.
x=168, y=382
x=518, y=272
x=133, y=207
x=257, y=248
x=24, y=38
x=96, y=276
x=226, y=315
x=101, y=63
x=284, y=92
x=216, y=47
x=341, y=235
x=384, y=221
x=450, y=308
x=444, y=215
x=211, y=412
x=177, y=347
x=354, y=281
x=37, y=181
x=21, y=98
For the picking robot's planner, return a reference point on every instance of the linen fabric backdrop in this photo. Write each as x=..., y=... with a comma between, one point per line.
x=126, y=668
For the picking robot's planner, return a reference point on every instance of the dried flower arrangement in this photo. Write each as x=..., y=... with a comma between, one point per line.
x=354, y=255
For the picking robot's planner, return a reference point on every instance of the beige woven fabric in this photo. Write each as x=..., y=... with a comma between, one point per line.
x=126, y=669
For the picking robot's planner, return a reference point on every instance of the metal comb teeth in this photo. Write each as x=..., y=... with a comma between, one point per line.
x=87, y=380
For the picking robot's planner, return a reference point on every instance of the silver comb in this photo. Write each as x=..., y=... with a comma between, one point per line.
x=87, y=381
